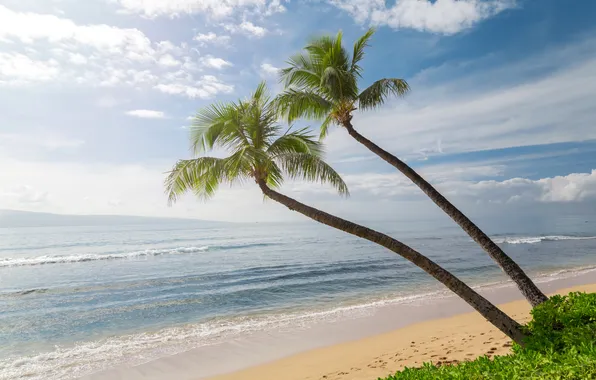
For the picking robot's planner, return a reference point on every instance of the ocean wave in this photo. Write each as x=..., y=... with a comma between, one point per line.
x=65, y=259
x=83, y=358
x=565, y=273
x=538, y=239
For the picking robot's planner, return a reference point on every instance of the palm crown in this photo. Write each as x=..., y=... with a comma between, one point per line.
x=258, y=149
x=322, y=83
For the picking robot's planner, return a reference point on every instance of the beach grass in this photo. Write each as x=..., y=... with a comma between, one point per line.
x=561, y=344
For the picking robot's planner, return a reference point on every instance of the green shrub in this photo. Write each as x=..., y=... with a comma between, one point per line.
x=563, y=322
x=561, y=344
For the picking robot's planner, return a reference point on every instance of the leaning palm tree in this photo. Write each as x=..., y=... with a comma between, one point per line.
x=259, y=152
x=322, y=84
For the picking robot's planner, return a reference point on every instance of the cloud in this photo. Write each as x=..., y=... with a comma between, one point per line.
x=574, y=187
x=99, y=55
x=146, y=114
x=31, y=27
x=212, y=8
x=24, y=196
x=247, y=28
x=440, y=16
x=554, y=107
x=120, y=189
x=77, y=59
x=168, y=60
x=37, y=139
x=211, y=38
x=205, y=88
x=395, y=184
x=268, y=70
x=38, y=143
x=465, y=182
x=18, y=69
x=215, y=63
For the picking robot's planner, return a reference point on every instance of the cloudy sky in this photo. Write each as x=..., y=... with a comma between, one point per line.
x=95, y=99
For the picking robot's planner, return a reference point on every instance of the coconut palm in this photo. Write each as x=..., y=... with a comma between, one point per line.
x=322, y=84
x=260, y=152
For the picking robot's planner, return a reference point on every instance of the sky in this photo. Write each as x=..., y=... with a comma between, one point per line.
x=95, y=102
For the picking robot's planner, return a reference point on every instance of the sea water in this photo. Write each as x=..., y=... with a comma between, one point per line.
x=77, y=300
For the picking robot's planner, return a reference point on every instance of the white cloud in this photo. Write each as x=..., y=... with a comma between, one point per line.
x=48, y=187
x=215, y=63
x=463, y=181
x=168, y=60
x=24, y=196
x=275, y=6
x=557, y=107
x=18, y=69
x=268, y=70
x=396, y=184
x=213, y=8
x=211, y=38
x=98, y=55
x=574, y=187
x=146, y=114
x=36, y=142
x=31, y=27
x=248, y=28
x=440, y=16
x=205, y=88
x=77, y=59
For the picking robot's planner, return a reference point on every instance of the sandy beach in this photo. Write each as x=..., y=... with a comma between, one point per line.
x=445, y=340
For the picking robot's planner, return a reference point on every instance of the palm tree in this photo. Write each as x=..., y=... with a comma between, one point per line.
x=260, y=152
x=322, y=84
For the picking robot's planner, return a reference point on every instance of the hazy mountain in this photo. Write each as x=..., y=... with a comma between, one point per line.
x=13, y=218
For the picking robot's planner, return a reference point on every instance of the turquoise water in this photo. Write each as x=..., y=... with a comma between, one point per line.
x=74, y=300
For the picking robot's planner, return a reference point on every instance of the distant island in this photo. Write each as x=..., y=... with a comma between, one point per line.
x=14, y=218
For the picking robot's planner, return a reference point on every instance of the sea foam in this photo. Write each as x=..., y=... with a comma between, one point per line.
x=538, y=239
x=77, y=258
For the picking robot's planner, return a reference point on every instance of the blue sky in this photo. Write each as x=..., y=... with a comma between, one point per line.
x=94, y=101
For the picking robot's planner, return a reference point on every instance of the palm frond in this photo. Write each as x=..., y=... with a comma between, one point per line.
x=300, y=141
x=324, y=129
x=261, y=95
x=302, y=72
x=200, y=175
x=294, y=104
x=216, y=125
x=377, y=93
x=332, y=64
x=313, y=169
x=275, y=177
x=359, y=46
x=249, y=130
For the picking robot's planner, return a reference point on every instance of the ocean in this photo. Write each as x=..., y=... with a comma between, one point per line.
x=78, y=300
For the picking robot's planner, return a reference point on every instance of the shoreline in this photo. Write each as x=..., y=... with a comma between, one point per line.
x=257, y=351
x=442, y=341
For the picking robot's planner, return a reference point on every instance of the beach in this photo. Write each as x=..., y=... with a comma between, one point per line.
x=441, y=341
x=183, y=301
x=439, y=329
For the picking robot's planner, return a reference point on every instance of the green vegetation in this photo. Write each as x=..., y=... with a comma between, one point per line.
x=561, y=344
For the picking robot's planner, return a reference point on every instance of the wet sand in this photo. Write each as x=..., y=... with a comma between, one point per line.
x=447, y=340
x=364, y=345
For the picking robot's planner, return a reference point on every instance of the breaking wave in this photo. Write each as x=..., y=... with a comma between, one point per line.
x=64, y=259
x=538, y=239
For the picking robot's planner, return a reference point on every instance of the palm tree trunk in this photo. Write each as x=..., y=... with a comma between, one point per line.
x=489, y=311
x=510, y=267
